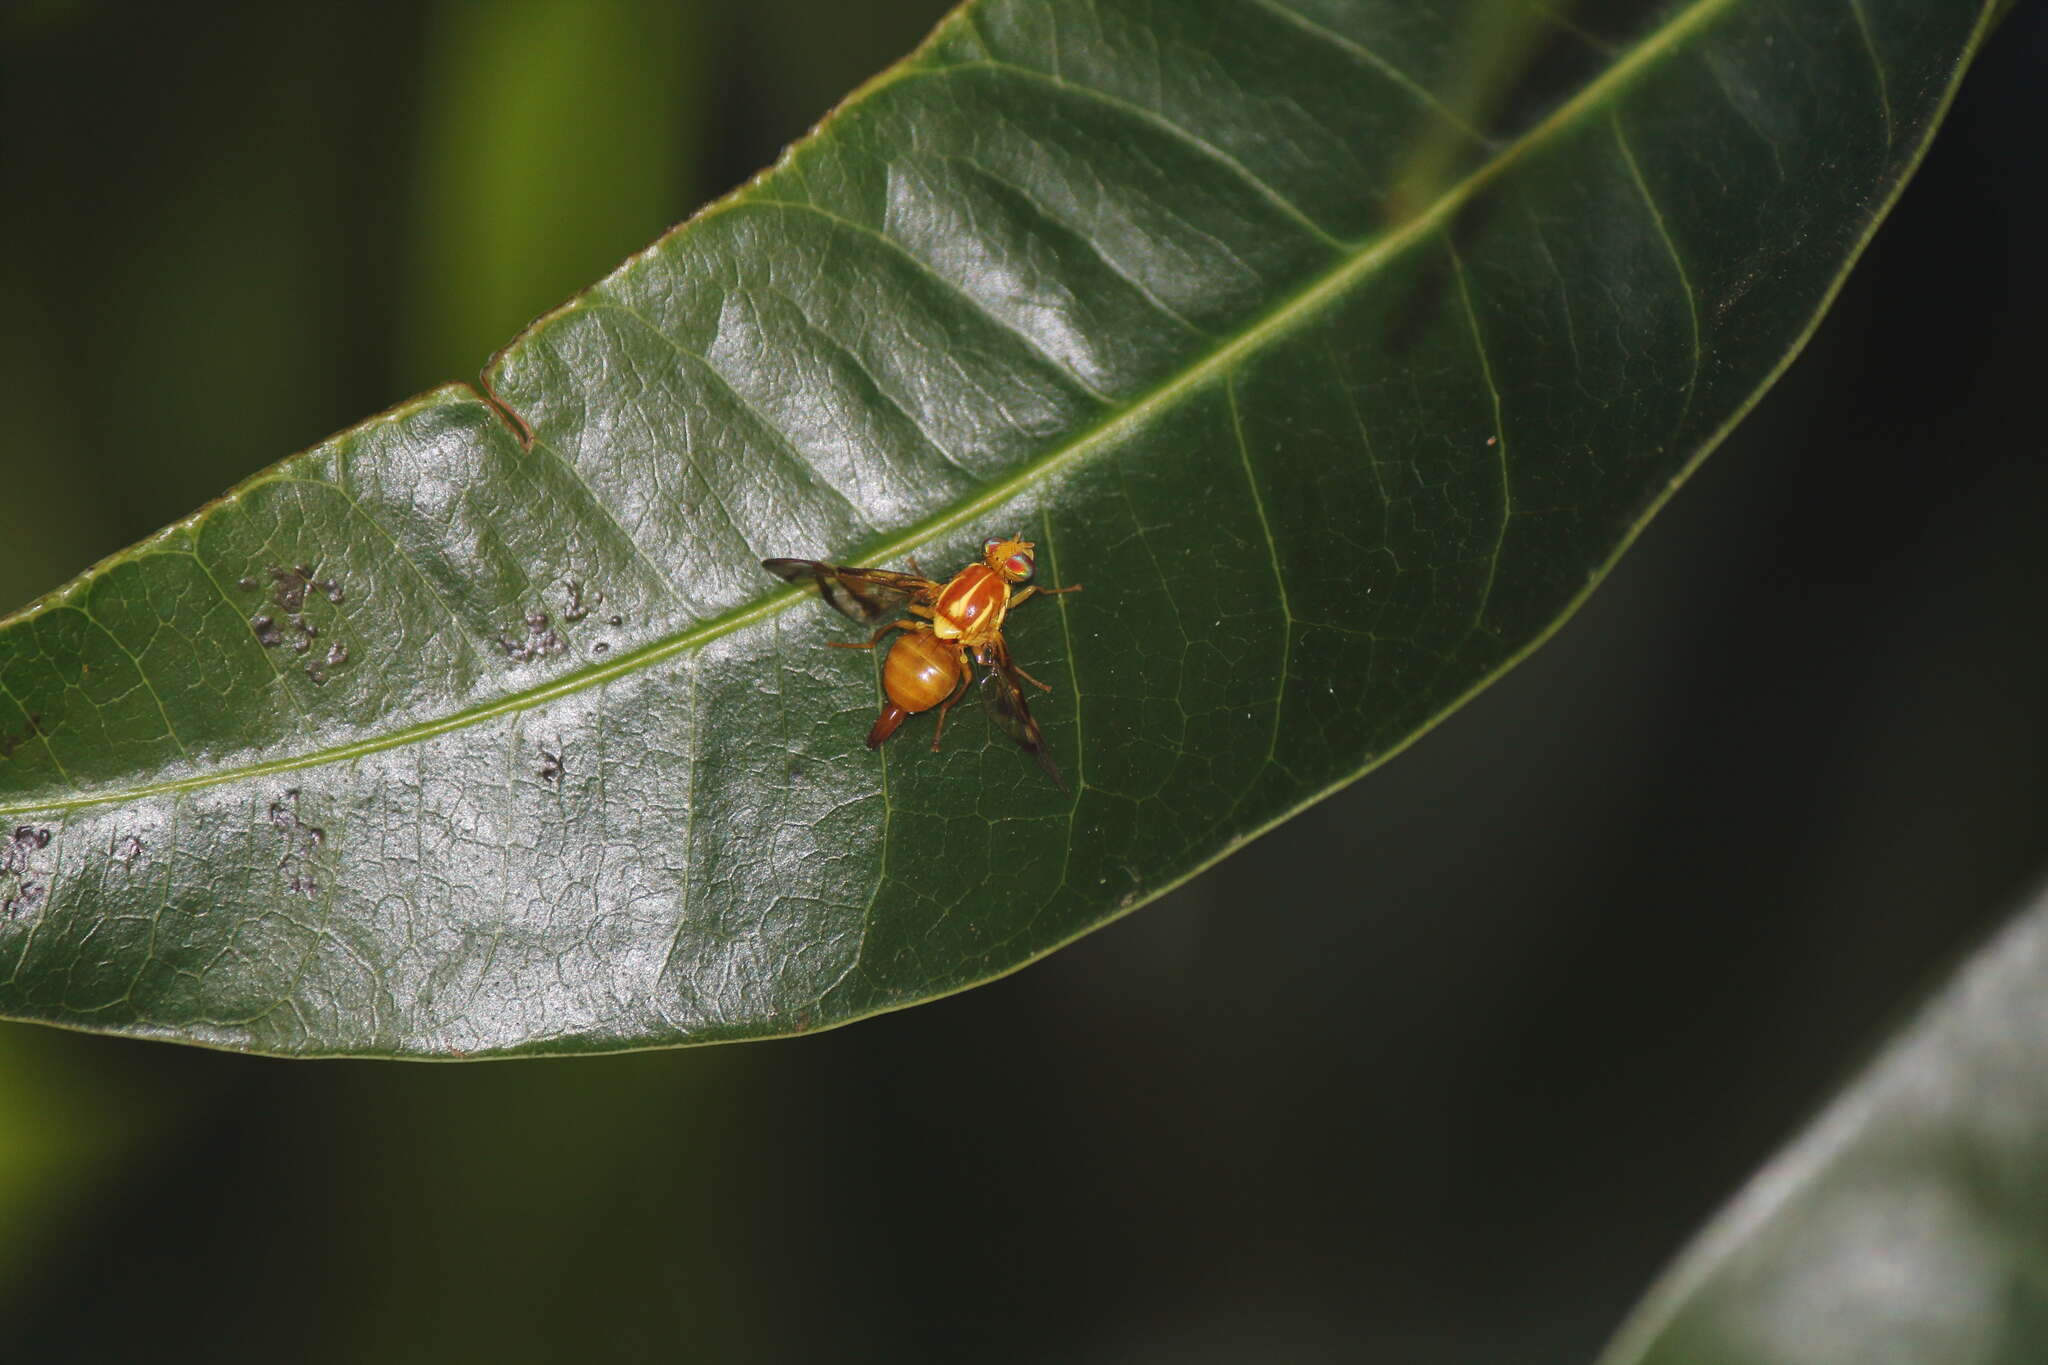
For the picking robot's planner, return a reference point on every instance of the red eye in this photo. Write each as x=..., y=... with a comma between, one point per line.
x=1018, y=566
x=989, y=544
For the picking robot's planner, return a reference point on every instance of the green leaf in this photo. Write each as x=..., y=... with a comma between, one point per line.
x=1338, y=348
x=1904, y=1224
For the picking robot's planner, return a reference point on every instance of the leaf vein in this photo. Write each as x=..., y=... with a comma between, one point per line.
x=930, y=272
x=1154, y=119
x=1394, y=74
x=1692, y=307
x=1251, y=480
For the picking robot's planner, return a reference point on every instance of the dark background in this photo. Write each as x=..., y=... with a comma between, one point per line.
x=1441, y=1071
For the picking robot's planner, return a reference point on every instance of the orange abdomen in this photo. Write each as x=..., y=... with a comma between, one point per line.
x=970, y=608
x=921, y=671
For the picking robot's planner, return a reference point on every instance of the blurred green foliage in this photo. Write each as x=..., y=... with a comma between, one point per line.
x=1441, y=1070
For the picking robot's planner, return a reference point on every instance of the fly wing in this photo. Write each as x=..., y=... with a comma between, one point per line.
x=1005, y=693
x=867, y=595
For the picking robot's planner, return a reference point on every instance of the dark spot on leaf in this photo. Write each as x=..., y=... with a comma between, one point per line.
x=246, y=584
x=301, y=842
x=17, y=893
x=579, y=605
x=288, y=587
x=551, y=767
x=14, y=739
x=332, y=588
x=18, y=889
x=615, y=619
x=337, y=655
x=289, y=593
x=600, y=648
x=540, y=640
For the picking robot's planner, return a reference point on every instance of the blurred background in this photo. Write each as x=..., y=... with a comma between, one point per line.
x=1443, y=1070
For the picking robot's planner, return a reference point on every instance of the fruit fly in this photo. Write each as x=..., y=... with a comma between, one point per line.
x=947, y=629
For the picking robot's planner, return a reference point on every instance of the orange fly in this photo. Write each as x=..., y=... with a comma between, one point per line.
x=949, y=628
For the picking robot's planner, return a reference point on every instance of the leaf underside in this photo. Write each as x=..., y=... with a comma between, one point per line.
x=1905, y=1223
x=1337, y=347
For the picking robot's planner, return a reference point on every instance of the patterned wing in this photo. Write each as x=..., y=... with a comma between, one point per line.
x=869, y=596
x=1005, y=693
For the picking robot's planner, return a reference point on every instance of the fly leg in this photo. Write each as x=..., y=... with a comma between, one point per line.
x=1028, y=678
x=966, y=674
x=1017, y=597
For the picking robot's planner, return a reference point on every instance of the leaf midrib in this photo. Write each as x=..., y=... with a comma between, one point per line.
x=1304, y=303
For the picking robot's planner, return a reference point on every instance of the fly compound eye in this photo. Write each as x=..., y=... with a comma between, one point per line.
x=988, y=546
x=1018, y=567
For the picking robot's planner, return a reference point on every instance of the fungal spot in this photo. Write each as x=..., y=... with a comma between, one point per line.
x=615, y=620
x=288, y=592
x=246, y=584
x=316, y=671
x=551, y=767
x=288, y=586
x=301, y=843
x=579, y=605
x=19, y=889
x=541, y=639
x=127, y=849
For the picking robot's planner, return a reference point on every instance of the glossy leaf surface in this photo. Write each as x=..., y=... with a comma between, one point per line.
x=1905, y=1223
x=1337, y=347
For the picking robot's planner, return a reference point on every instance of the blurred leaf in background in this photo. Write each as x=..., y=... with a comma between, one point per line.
x=520, y=201
x=1906, y=1221
x=1442, y=1070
